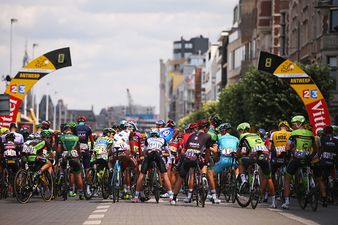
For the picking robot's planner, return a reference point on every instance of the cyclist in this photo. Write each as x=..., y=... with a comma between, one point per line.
x=300, y=143
x=102, y=148
x=227, y=145
x=277, y=143
x=328, y=154
x=154, y=146
x=85, y=135
x=19, y=140
x=160, y=124
x=197, y=148
x=124, y=147
x=69, y=146
x=252, y=150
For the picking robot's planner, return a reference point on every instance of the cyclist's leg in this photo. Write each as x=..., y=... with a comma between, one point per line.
x=76, y=177
x=291, y=169
x=265, y=166
x=163, y=170
x=144, y=168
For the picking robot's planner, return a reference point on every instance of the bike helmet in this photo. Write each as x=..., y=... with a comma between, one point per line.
x=203, y=124
x=46, y=134
x=160, y=123
x=81, y=119
x=45, y=125
x=171, y=123
x=3, y=130
x=154, y=133
x=123, y=124
x=243, y=126
x=283, y=123
x=10, y=136
x=193, y=125
x=224, y=126
x=215, y=120
x=133, y=125
x=298, y=119
x=187, y=127
x=107, y=130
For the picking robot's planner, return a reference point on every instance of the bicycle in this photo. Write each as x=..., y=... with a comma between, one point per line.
x=99, y=181
x=305, y=185
x=200, y=185
x=116, y=178
x=10, y=161
x=251, y=195
x=151, y=184
x=25, y=184
x=228, y=182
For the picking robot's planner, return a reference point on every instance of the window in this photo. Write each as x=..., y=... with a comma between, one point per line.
x=334, y=17
x=187, y=54
x=177, y=45
x=188, y=45
x=233, y=36
x=177, y=55
x=332, y=62
x=238, y=57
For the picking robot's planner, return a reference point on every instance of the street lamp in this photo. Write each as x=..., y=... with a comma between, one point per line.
x=54, y=112
x=13, y=20
x=33, y=47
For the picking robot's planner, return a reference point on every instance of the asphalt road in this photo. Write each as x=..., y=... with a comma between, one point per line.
x=98, y=211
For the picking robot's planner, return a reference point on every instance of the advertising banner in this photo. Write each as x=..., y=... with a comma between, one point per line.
x=303, y=85
x=30, y=75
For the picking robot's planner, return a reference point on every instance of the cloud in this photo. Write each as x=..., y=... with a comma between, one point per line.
x=114, y=44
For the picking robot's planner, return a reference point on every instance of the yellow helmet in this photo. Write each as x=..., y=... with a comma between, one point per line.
x=283, y=123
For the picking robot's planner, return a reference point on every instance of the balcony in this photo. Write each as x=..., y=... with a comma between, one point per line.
x=329, y=42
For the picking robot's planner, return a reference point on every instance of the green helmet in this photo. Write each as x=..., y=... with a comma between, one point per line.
x=296, y=119
x=46, y=133
x=243, y=126
x=335, y=128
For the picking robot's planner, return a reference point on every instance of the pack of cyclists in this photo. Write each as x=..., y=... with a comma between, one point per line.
x=211, y=145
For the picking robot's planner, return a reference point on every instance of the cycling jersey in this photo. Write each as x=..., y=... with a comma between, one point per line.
x=329, y=148
x=121, y=141
x=279, y=140
x=303, y=141
x=102, y=146
x=251, y=143
x=196, y=144
x=83, y=132
x=155, y=144
x=137, y=137
x=213, y=135
x=19, y=140
x=227, y=144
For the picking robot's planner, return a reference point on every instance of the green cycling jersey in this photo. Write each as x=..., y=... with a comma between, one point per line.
x=251, y=142
x=303, y=140
x=69, y=142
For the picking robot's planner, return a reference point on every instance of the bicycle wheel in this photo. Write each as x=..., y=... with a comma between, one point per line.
x=91, y=181
x=243, y=195
x=314, y=194
x=254, y=197
x=105, y=184
x=4, y=183
x=280, y=185
x=156, y=186
x=232, y=186
x=46, y=186
x=300, y=188
x=202, y=189
x=22, y=186
x=65, y=184
x=226, y=185
x=115, y=186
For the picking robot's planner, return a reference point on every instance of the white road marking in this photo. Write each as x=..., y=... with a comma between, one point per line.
x=103, y=206
x=96, y=216
x=293, y=217
x=100, y=211
x=92, y=222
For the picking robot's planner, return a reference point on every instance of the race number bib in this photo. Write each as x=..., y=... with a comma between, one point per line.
x=192, y=154
x=84, y=147
x=259, y=148
x=10, y=152
x=301, y=154
x=74, y=154
x=280, y=149
x=227, y=151
x=28, y=149
x=328, y=155
x=173, y=148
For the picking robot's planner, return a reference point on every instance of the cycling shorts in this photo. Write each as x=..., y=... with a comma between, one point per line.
x=156, y=157
x=224, y=162
x=185, y=164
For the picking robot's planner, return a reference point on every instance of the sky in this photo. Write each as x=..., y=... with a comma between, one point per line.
x=114, y=44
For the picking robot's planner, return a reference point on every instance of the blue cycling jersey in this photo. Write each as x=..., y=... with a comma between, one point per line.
x=227, y=142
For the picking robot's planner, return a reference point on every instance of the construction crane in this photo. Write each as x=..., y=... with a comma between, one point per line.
x=130, y=103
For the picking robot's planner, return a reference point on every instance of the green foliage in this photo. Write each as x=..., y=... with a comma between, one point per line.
x=261, y=99
x=209, y=108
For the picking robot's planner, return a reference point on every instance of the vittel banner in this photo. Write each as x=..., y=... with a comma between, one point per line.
x=302, y=83
x=30, y=75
